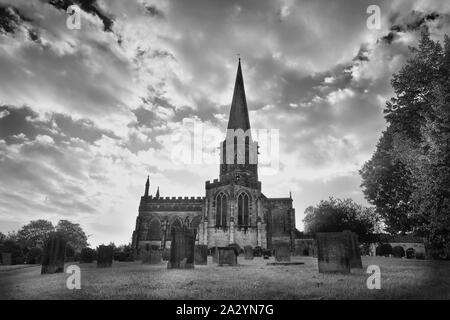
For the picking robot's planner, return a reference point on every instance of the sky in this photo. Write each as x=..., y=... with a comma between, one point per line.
x=86, y=114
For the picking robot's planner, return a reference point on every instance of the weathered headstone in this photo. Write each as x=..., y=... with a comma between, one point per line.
x=353, y=249
x=201, y=254
x=6, y=258
x=282, y=251
x=182, y=249
x=227, y=255
x=248, y=253
x=151, y=257
x=53, y=254
x=332, y=252
x=257, y=252
x=104, y=256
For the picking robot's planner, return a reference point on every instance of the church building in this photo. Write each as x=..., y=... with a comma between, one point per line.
x=233, y=210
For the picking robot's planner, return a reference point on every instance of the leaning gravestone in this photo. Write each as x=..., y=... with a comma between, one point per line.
x=6, y=258
x=333, y=252
x=182, y=249
x=53, y=254
x=282, y=251
x=105, y=256
x=353, y=248
x=227, y=255
x=201, y=254
x=151, y=257
x=248, y=253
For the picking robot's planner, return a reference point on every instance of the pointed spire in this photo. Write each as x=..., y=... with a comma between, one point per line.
x=157, y=193
x=239, y=113
x=290, y=195
x=147, y=186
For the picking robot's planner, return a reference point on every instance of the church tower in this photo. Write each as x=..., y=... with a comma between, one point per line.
x=234, y=212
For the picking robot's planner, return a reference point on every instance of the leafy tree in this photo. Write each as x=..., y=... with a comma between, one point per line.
x=2, y=237
x=336, y=215
x=387, y=185
x=33, y=232
x=408, y=177
x=74, y=234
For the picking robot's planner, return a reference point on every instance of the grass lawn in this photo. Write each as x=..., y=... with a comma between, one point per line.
x=251, y=279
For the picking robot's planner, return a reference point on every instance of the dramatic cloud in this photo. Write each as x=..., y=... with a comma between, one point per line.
x=86, y=115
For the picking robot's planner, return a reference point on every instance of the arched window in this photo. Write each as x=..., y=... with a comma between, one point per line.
x=221, y=210
x=243, y=209
x=154, y=230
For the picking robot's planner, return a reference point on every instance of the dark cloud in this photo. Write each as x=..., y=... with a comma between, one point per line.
x=60, y=127
x=10, y=19
x=90, y=6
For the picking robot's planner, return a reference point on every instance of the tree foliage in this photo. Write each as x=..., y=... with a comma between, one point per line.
x=336, y=215
x=74, y=234
x=408, y=177
x=33, y=232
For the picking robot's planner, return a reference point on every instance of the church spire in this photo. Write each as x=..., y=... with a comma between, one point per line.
x=239, y=113
x=157, y=193
x=147, y=186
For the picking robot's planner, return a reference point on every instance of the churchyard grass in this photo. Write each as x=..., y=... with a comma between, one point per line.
x=250, y=279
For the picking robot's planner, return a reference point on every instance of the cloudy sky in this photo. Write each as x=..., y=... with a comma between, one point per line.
x=86, y=114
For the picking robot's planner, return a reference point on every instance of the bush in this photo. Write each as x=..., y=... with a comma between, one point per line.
x=384, y=249
x=87, y=255
x=34, y=256
x=420, y=255
x=398, y=252
x=15, y=249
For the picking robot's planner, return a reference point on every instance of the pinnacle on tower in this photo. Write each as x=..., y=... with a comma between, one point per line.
x=147, y=186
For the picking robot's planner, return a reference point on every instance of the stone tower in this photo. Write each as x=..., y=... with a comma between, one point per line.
x=234, y=212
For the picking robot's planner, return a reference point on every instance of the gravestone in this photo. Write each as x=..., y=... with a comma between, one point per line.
x=104, y=256
x=182, y=249
x=282, y=251
x=6, y=258
x=257, y=252
x=248, y=253
x=227, y=255
x=353, y=248
x=53, y=254
x=201, y=254
x=151, y=257
x=215, y=254
x=333, y=252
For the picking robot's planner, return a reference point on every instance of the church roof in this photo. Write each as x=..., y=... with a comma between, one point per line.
x=239, y=113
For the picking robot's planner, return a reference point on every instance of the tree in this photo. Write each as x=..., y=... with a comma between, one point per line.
x=408, y=178
x=336, y=215
x=74, y=234
x=2, y=237
x=387, y=185
x=33, y=232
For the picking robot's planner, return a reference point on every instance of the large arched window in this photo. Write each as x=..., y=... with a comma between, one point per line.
x=221, y=210
x=154, y=230
x=243, y=209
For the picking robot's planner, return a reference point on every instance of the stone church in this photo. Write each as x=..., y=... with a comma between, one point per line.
x=233, y=210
